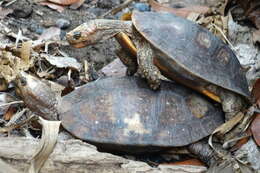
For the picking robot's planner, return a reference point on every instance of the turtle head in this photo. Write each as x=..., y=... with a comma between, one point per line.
x=95, y=31
x=37, y=95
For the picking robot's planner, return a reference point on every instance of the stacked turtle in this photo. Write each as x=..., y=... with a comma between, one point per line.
x=125, y=112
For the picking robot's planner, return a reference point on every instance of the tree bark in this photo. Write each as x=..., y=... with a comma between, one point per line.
x=75, y=156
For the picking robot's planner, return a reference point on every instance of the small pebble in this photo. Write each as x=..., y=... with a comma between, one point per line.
x=62, y=35
x=36, y=28
x=107, y=3
x=142, y=7
x=62, y=23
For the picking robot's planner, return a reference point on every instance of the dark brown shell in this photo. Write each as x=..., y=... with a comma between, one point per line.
x=190, y=53
x=126, y=112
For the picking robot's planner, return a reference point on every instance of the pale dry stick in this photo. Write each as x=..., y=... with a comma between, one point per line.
x=224, y=36
x=86, y=70
x=18, y=38
x=10, y=3
x=10, y=103
x=116, y=9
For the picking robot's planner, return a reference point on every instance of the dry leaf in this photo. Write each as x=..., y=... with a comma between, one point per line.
x=227, y=126
x=9, y=114
x=3, y=85
x=62, y=62
x=255, y=17
x=255, y=128
x=216, y=24
x=10, y=127
x=52, y=33
x=26, y=51
x=77, y=4
x=56, y=7
x=251, y=10
x=194, y=162
x=223, y=129
x=11, y=65
x=182, y=12
x=256, y=92
x=256, y=36
x=64, y=2
x=50, y=131
x=6, y=101
x=241, y=142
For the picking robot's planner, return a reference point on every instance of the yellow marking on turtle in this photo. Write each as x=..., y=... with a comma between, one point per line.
x=197, y=106
x=223, y=56
x=126, y=43
x=135, y=125
x=203, y=39
x=211, y=95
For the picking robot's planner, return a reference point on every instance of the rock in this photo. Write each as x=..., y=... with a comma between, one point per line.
x=62, y=23
x=21, y=9
x=36, y=28
x=107, y=3
x=251, y=153
x=141, y=7
x=115, y=68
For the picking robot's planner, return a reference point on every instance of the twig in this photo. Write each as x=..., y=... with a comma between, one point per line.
x=14, y=126
x=117, y=8
x=9, y=3
x=224, y=36
x=10, y=103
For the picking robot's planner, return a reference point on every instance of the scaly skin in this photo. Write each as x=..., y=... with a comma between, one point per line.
x=128, y=60
x=101, y=29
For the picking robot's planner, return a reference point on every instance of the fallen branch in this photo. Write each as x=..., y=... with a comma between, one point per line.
x=77, y=157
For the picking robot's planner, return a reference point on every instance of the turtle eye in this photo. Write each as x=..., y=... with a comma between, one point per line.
x=76, y=35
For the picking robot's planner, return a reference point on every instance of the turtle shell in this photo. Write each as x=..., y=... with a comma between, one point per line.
x=190, y=54
x=126, y=112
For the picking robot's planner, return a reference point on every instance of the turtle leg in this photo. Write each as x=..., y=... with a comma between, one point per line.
x=128, y=60
x=232, y=103
x=146, y=67
x=203, y=151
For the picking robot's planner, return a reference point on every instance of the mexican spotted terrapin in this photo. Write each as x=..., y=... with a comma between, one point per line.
x=154, y=43
x=124, y=114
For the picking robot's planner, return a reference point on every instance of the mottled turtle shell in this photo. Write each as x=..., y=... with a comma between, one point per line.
x=126, y=112
x=190, y=54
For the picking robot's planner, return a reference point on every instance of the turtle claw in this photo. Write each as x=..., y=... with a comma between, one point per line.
x=155, y=86
x=152, y=77
x=130, y=71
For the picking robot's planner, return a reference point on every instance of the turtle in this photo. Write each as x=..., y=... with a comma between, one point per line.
x=124, y=114
x=155, y=43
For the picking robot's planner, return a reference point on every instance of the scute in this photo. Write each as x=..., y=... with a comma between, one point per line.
x=125, y=111
x=191, y=50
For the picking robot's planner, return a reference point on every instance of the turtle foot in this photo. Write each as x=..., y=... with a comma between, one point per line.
x=130, y=71
x=152, y=75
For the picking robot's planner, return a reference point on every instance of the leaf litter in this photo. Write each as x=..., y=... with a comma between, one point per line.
x=41, y=59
